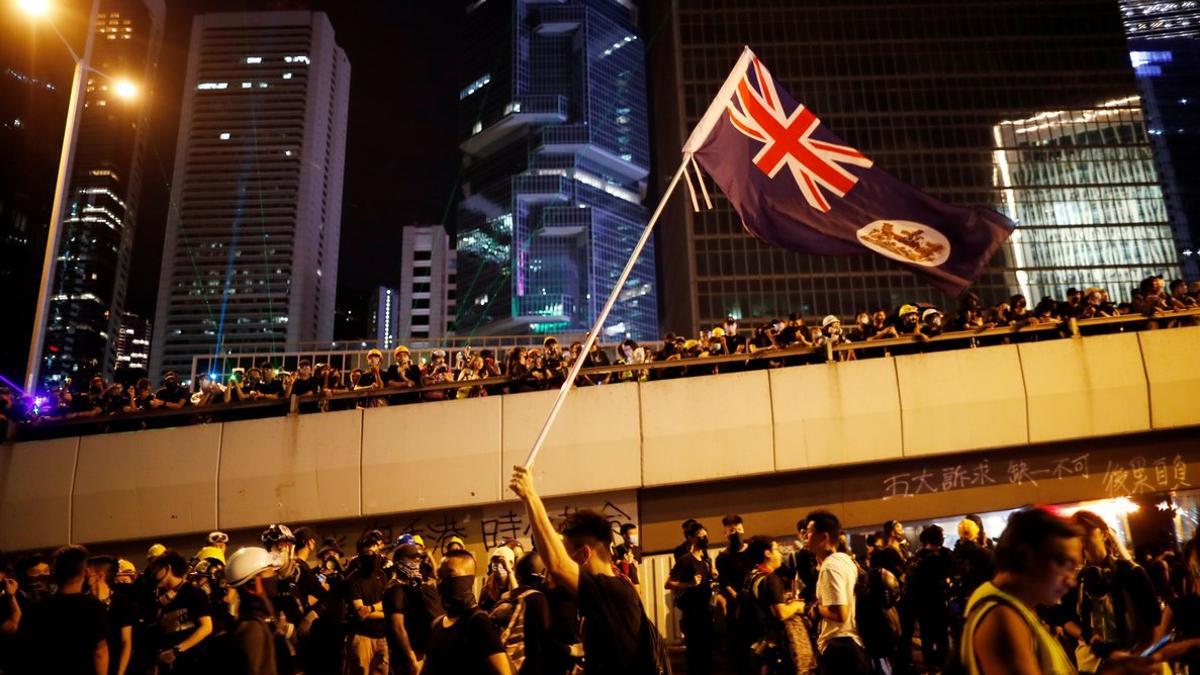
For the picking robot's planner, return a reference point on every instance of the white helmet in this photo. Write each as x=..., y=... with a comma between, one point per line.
x=246, y=563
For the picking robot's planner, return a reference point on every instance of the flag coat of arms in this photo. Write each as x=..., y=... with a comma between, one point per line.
x=797, y=185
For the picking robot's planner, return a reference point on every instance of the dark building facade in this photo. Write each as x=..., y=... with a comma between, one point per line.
x=555, y=137
x=1164, y=48
x=922, y=88
x=96, y=240
x=32, y=108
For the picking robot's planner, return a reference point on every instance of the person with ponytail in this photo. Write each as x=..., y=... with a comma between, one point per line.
x=1115, y=606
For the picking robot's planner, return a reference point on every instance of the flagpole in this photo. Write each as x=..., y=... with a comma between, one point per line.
x=595, y=331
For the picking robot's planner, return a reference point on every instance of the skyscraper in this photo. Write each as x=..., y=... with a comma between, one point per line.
x=918, y=88
x=555, y=136
x=92, y=269
x=1164, y=44
x=428, y=278
x=133, y=342
x=1082, y=186
x=251, y=248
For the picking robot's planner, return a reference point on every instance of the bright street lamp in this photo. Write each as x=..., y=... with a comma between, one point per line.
x=125, y=89
x=34, y=7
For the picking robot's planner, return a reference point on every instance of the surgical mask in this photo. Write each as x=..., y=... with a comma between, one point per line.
x=632, y=539
x=735, y=540
x=457, y=594
x=702, y=543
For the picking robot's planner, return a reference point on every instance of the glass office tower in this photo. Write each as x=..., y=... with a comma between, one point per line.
x=917, y=86
x=1164, y=48
x=96, y=240
x=1083, y=189
x=555, y=129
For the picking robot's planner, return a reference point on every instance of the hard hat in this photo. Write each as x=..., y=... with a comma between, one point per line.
x=718, y=332
x=275, y=534
x=247, y=563
x=453, y=540
x=374, y=352
x=155, y=550
x=400, y=349
x=125, y=567
x=211, y=552
x=929, y=312
x=907, y=309
x=503, y=552
x=406, y=538
x=218, y=537
x=830, y=319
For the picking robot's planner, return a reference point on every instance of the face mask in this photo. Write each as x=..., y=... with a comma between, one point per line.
x=409, y=569
x=632, y=539
x=499, y=571
x=702, y=543
x=457, y=594
x=735, y=540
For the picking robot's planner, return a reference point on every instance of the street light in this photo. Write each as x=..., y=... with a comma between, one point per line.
x=125, y=89
x=34, y=7
x=41, y=8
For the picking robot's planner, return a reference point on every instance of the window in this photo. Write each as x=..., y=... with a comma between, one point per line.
x=423, y=255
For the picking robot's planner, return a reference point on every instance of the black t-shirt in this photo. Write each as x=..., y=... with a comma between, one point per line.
x=686, y=569
x=615, y=629
x=84, y=402
x=172, y=395
x=272, y=388
x=771, y=591
x=121, y=612
x=367, y=587
x=732, y=568
x=180, y=616
x=463, y=647
x=303, y=387
x=60, y=634
x=419, y=605
x=392, y=377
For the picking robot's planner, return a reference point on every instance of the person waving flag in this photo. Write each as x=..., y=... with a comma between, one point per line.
x=798, y=186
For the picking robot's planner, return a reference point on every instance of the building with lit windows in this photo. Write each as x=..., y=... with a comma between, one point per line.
x=96, y=239
x=1084, y=192
x=1164, y=44
x=555, y=137
x=133, y=342
x=250, y=256
x=919, y=91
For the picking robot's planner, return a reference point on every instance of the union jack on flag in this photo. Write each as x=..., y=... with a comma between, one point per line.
x=832, y=200
x=787, y=140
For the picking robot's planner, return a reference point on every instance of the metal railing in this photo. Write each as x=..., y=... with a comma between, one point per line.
x=691, y=367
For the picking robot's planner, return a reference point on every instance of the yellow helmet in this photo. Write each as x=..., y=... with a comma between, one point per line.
x=211, y=552
x=907, y=309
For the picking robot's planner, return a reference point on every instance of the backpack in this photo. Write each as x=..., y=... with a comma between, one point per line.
x=510, y=614
x=874, y=607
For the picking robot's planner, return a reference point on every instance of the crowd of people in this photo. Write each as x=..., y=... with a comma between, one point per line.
x=524, y=369
x=1052, y=594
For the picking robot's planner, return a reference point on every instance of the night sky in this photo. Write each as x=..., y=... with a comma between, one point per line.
x=401, y=160
x=401, y=157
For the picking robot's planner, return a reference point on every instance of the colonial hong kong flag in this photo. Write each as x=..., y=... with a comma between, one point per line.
x=798, y=186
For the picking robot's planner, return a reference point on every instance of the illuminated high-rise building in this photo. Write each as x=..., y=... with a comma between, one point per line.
x=555, y=135
x=1164, y=44
x=917, y=87
x=133, y=342
x=1083, y=189
x=96, y=239
x=251, y=249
